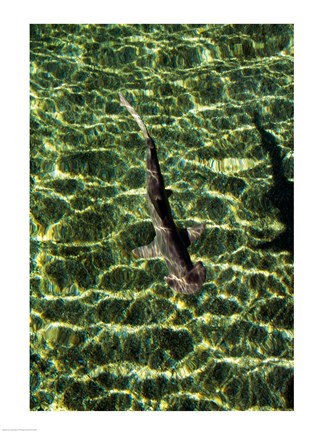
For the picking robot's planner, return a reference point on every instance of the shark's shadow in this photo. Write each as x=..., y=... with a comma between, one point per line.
x=281, y=194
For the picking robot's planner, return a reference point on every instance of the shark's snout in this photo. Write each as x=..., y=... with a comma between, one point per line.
x=191, y=282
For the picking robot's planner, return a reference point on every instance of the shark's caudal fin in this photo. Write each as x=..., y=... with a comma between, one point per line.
x=137, y=118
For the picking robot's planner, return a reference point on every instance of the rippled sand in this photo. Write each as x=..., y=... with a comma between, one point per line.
x=107, y=333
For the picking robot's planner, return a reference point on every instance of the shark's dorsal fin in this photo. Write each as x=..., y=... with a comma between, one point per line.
x=189, y=235
x=148, y=251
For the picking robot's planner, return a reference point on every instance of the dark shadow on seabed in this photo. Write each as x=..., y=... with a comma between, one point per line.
x=281, y=194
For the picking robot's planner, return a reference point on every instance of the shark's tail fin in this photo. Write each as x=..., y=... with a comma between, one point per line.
x=137, y=118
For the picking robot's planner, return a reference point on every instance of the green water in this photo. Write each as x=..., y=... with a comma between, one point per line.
x=107, y=333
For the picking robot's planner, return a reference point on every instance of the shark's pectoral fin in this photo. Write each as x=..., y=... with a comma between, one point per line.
x=196, y=231
x=189, y=235
x=148, y=251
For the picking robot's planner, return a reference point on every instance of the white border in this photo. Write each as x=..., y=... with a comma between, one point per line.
x=14, y=105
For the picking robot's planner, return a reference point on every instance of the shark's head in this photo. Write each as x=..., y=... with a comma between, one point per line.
x=191, y=282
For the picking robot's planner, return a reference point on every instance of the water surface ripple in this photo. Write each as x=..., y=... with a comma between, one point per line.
x=107, y=333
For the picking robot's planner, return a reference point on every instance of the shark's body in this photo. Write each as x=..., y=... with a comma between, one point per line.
x=170, y=242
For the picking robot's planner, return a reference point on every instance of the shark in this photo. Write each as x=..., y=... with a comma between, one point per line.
x=170, y=242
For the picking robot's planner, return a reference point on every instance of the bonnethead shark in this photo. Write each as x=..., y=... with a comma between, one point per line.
x=170, y=242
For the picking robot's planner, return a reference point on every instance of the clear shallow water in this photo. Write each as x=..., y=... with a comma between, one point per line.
x=107, y=333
